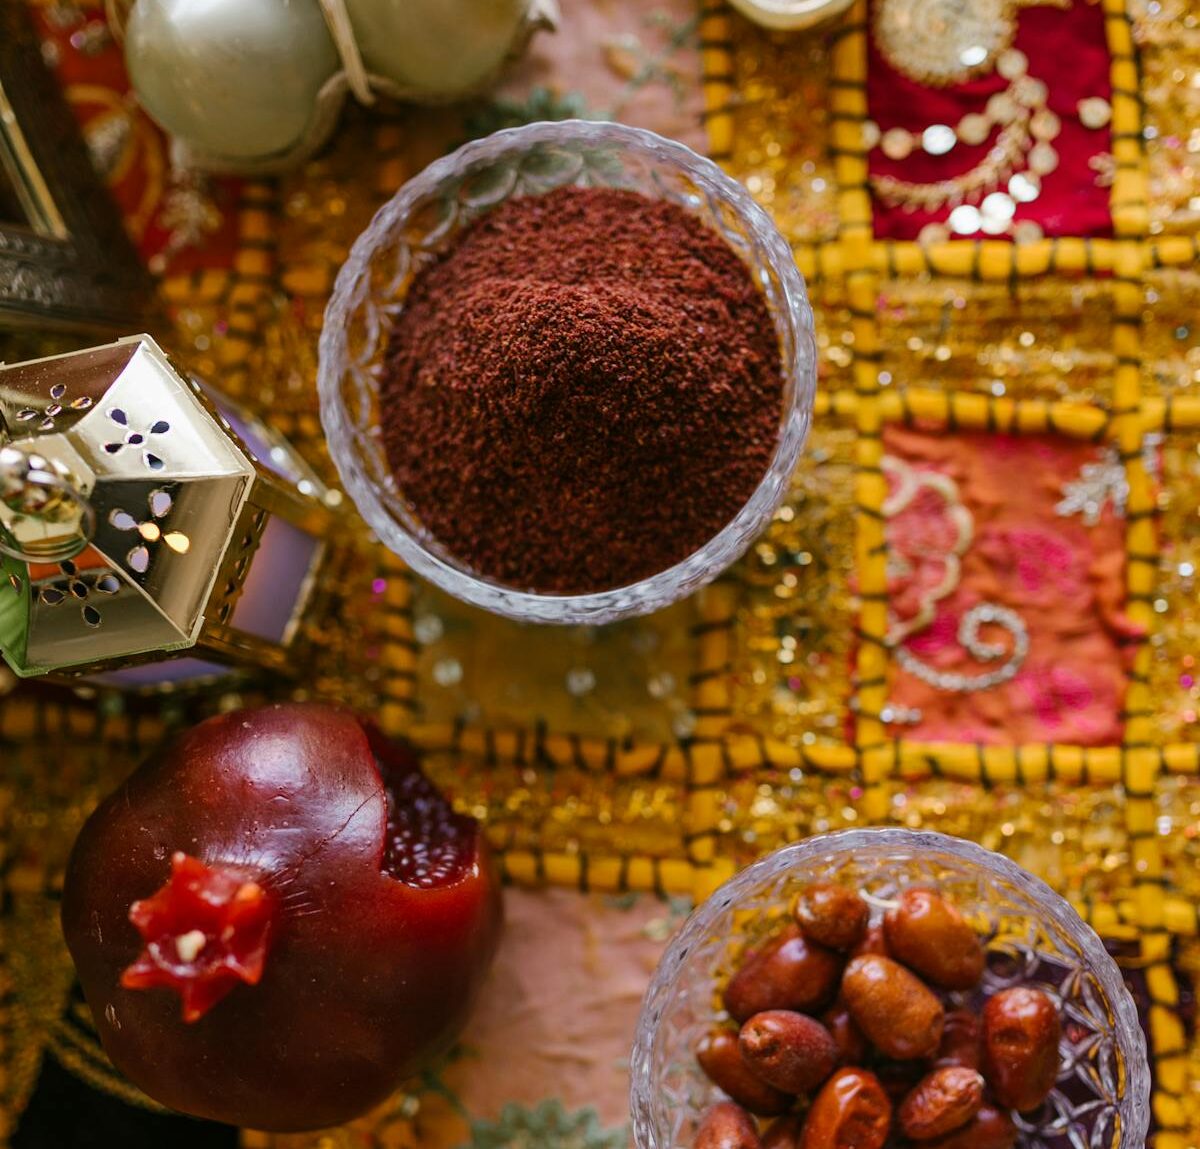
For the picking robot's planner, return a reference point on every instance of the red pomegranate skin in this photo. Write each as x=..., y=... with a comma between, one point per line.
x=365, y=979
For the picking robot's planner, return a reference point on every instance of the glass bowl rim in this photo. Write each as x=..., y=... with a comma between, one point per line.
x=1134, y=1106
x=657, y=590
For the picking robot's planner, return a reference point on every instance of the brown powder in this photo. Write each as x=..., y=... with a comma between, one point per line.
x=582, y=392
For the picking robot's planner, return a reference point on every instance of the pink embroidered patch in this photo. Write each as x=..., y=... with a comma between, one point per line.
x=1026, y=575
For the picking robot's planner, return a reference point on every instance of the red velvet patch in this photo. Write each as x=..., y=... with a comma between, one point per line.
x=1067, y=50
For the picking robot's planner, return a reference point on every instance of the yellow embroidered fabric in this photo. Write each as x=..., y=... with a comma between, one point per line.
x=663, y=756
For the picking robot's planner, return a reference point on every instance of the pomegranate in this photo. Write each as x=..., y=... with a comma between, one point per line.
x=278, y=919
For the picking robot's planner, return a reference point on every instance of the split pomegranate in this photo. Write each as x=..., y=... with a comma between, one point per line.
x=279, y=919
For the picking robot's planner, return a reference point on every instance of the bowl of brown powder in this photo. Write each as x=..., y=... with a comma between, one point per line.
x=567, y=372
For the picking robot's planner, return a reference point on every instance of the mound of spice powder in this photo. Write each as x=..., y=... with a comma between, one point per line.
x=582, y=392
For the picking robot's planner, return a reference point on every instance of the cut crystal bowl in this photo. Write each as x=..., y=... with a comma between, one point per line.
x=422, y=222
x=1033, y=937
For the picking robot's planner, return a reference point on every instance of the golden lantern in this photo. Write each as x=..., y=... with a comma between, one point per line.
x=152, y=535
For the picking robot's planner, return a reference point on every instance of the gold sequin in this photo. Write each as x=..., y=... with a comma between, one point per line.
x=1012, y=63
x=938, y=139
x=1175, y=676
x=799, y=602
x=1043, y=159
x=1090, y=862
x=943, y=42
x=897, y=144
x=1045, y=125
x=1002, y=108
x=1025, y=187
x=974, y=128
x=1167, y=33
x=1068, y=356
x=1094, y=112
x=781, y=129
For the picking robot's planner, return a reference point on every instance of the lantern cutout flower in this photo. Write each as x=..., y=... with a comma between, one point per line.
x=137, y=525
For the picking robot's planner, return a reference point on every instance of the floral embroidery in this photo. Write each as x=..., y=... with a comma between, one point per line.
x=1058, y=696
x=1104, y=483
x=938, y=636
x=1099, y=484
x=970, y=637
x=1046, y=567
x=929, y=530
x=639, y=64
x=188, y=212
x=650, y=56
x=1063, y=581
x=549, y=1126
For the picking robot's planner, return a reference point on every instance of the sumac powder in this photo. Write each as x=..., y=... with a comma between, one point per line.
x=582, y=392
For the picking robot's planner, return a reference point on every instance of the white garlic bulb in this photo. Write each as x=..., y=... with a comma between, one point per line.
x=256, y=86
x=237, y=78
x=434, y=50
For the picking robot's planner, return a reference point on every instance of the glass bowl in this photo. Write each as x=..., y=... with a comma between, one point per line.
x=422, y=221
x=1102, y=1098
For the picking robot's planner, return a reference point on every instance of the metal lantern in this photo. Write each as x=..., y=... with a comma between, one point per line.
x=144, y=519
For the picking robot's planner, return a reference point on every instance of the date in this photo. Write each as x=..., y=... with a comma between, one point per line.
x=895, y=1010
x=990, y=1128
x=789, y=1051
x=721, y=1059
x=851, y=1112
x=789, y=972
x=1021, y=1032
x=831, y=915
x=941, y=1102
x=931, y=936
x=727, y=1126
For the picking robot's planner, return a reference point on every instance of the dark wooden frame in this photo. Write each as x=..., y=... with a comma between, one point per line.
x=73, y=267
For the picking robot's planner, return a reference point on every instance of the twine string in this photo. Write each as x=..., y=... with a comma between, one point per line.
x=115, y=12
x=337, y=19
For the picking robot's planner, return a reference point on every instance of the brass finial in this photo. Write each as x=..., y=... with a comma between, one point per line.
x=45, y=516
